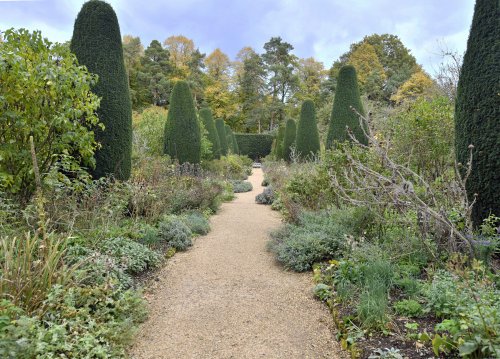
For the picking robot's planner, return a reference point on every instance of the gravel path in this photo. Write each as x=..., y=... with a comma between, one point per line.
x=227, y=298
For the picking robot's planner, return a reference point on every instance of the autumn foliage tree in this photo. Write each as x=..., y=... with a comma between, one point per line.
x=477, y=111
x=343, y=118
x=182, y=132
x=97, y=44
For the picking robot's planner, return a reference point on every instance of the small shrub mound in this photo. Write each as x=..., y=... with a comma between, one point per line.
x=266, y=197
x=83, y=322
x=409, y=308
x=96, y=268
x=175, y=233
x=241, y=186
x=197, y=223
x=133, y=256
x=317, y=237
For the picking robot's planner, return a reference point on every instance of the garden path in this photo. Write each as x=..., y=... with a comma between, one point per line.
x=227, y=297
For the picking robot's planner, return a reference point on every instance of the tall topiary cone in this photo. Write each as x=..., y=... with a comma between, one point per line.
x=280, y=148
x=231, y=142
x=213, y=136
x=221, y=131
x=477, y=110
x=235, y=143
x=289, y=139
x=307, y=142
x=182, y=132
x=342, y=116
x=97, y=44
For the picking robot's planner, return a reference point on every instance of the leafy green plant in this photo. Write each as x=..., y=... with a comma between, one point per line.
x=197, y=223
x=409, y=308
x=86, y=322
x=30, y=266
x=134, y=256
x=322, y=291
x=266, y=197
x=147, y=140
x=175, y=233
x=386, y=353
x=241, y=186
x=54, y=99
x=96, y=268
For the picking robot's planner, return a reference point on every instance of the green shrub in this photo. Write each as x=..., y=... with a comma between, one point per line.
x=213, y=136
x=289, y=139
x=148, y=127
x=60, y=93
x=175, y=233
x=470, y=304
x=197, y=223
x=409, y=308
x=317, y=237
x=241, y=186
x=343, y=117
x=96, y=268
x=280, y=148
x=409, y=286
x=182, y=131
x=232, y=167
x=477, y=111
x=133, y=256
x=256, y=146
x=84, y=322
x=266, y=197
x=97, y=44
x=221, y=131
x=307, y=132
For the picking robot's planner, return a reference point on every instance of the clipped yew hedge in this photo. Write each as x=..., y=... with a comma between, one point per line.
x=254, y=145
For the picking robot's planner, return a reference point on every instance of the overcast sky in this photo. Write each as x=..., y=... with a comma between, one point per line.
x=323, y=29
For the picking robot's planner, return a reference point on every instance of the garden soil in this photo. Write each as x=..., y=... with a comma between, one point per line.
x=226, y=297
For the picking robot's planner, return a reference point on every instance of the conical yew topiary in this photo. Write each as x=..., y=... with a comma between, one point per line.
x=97, y=44
x=182, y=132
x=289, y=139
x=221, y=131
x=280, y=148
x=307, y=142
x=477, y=110
x=213, y=136
x=343, y=117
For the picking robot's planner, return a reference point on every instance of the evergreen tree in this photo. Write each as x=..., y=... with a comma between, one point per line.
x=182, y=132
x=307, y=142
x=221, y=131
x=97, y=44
x=343, y=117
x=477, y=111
x=213, y=136
x=230, y=140
x=289, y=139
x=235, y=144
x=279, y=143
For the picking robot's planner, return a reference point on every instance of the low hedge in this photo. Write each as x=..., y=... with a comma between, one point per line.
x=254, y=145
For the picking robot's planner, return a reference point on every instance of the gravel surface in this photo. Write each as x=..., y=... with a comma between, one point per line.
x=227, y=297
